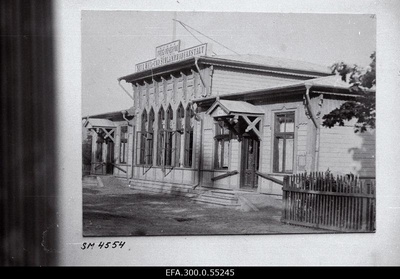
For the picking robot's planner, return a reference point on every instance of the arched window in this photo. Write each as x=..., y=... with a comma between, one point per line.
x=161, y=136
x=142, y=137
x=189, y=127
x=169, y=136
x=180, y=125
x=150, y=137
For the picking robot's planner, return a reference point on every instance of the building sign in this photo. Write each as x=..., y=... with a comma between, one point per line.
x=168, y=49
x=170, y=53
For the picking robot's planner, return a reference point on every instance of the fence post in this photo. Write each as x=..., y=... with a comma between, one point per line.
x=284, y=198
x=364, y=206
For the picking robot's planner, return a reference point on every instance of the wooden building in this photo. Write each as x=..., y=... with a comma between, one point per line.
x=237, y=122
x=108, y=137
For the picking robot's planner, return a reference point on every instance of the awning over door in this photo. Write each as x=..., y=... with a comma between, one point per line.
x=98, y=122
x=104, y=128
x=242, y=118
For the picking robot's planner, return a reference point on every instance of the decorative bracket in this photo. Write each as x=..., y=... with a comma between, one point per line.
x=252, y=125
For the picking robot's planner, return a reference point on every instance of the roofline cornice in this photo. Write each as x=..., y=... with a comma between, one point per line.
x=205, y=60
x=281, y=91
x=260, y=67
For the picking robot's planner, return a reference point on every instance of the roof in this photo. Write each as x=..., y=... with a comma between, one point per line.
x=232, y=107
x=276, y=62
x=113, y=115
x=248, y=61
x=98, y=122
x=329, y=85
x=333, y=81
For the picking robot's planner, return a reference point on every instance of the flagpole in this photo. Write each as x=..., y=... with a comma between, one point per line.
x=174, y=27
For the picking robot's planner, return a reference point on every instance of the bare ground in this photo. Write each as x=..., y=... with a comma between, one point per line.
x=121, y=211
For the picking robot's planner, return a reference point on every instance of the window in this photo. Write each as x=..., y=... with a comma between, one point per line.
x=142, y=136
x=123, y=147
x=169, y=137
x=150, y=142
x=284, y=142
x=189, y=125
x=161, y=136
x=180, y=124
x=222, y=146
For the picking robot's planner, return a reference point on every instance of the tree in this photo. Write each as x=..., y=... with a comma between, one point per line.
x=362, y=107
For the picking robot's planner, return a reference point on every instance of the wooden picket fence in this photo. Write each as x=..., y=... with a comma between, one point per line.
x=343, y=203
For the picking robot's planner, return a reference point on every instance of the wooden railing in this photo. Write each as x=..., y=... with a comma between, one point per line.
x=269, y=177
x=118, y=167
x=96, y=166
x=341, y=203
x=230, y=173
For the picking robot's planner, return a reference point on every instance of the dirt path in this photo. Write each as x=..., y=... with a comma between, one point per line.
x=117, y=210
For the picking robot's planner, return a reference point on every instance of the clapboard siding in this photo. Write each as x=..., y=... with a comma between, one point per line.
x=177, y=175
x=207, y=148
x=230, y=81
x=342, y=150
x=196, y=145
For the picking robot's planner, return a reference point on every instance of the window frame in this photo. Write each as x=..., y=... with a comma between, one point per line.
x=276, y=164
x=123, y=145
x=179, y=135
x=222, y=135
x=169, y=138
x=189, y=137
x=142, y=138
x=160, y=136
x=149, y=149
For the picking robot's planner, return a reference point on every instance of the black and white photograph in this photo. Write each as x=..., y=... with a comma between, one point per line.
x=199, y=138
x=210, y=123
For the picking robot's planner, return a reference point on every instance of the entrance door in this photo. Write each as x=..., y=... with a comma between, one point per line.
x=249, y=164
x=110, y=157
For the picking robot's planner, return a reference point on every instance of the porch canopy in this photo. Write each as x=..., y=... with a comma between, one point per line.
x=240, y=117
x=98, y=122
x=103, y=127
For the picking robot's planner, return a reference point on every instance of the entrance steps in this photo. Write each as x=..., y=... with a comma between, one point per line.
x=108, y=181
x=241, y=200
x=112, y=181
x=220, y=197
x=90, y=181
x=162, y=188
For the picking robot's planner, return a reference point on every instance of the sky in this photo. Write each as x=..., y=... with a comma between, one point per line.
x=112, y=42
